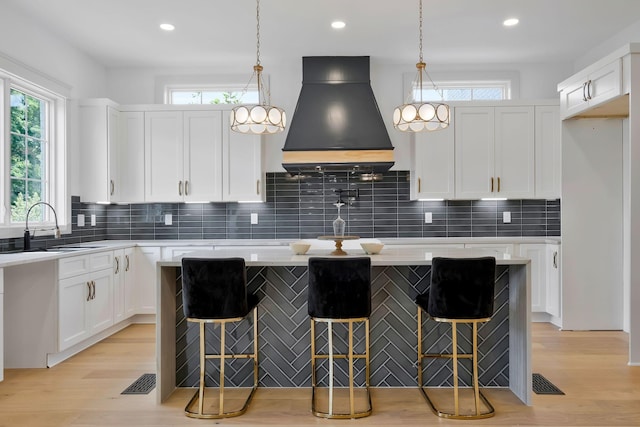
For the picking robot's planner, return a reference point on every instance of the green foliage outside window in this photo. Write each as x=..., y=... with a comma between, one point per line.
x=28, y=149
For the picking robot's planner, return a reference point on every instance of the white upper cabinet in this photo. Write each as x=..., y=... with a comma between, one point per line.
x=548, y=152
x=514, y=152
x=128, y=161
x=494, y=152
x=242, y=175
x=202, y=156
x=474, y=152
x=590, y=90
x=164, y=166
x=98, y=139
x=433, y=173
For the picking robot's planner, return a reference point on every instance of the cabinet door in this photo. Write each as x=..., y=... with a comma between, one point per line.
x=553, y=290
x=100, y=313
x=548, y=152
x=95, y=121
x=573, y=98
x=203, y=155
x=163, y=137
x=129, y=283
x=146, y=279
x=474, y=132
x=129, y=172
x=73, y=299
x=118, y=285
x=433, y=176
x=605, y=84
x=538, y=255
x=514, y=152
x=242, y=178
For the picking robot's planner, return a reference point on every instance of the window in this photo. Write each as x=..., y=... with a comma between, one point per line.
x=29, y=152
x=465, y=91
x=212, y=96
x=33, y=161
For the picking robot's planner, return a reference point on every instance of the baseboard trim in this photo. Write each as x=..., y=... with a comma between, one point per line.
x=55, y=358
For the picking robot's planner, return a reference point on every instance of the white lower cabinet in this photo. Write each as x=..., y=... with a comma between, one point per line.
x=145, y=277
x=85, y=298
x=1, y=324
x=124, y=286
x=85, y=306
x=538, y=255
x=553, y=290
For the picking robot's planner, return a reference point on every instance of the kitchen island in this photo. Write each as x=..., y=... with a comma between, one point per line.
x=279, y=278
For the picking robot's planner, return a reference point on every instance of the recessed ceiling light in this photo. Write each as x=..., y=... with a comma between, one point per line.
x=338, y=24
x=167, y=27
x=510, y=22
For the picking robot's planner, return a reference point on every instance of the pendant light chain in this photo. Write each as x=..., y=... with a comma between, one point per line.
x=420, y=44
x=258, y=32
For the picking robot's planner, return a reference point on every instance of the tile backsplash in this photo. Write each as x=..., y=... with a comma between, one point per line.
x=305, y=209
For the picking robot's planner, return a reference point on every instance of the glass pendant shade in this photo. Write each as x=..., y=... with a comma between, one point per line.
x=260, y=118
x=421, y=116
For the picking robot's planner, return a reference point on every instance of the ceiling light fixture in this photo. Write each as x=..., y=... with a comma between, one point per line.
x=260, y=118
x=167, y=27
x=338, y=24
x=418, y=116
x=510, y=22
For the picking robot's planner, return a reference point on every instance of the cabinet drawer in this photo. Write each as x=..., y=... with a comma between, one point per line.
x=101, y=260
x=73, y=266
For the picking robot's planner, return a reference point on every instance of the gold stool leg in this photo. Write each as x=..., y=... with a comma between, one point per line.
x=203, y=362
x=455, y=356
x=330, y=331
x=351, y=402
x=222, y=353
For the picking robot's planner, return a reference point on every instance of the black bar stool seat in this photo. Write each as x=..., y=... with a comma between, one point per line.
x=339, y=292
x=214, y=290
x=461, y=291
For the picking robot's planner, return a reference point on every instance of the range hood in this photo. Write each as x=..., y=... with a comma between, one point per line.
x=337, y=125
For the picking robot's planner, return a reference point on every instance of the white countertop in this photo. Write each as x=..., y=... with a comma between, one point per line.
x=282, y=256
x=319, y=248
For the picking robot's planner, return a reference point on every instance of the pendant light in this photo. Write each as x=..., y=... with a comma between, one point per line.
x=260, y=118
x=418, y=116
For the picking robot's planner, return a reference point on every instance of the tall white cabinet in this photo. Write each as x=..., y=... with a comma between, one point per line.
x=433, y=171
x=494, y=152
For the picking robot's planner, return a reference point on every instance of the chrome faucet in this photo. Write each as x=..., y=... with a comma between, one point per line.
x=27, y=236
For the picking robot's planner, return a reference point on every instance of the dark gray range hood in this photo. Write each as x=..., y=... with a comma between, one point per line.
x=337, y=125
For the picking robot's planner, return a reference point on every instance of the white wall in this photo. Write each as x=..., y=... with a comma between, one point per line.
x=629, y=34
x=143, y=85
x=52, y=62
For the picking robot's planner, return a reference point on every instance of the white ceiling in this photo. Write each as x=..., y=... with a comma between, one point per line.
x=125, y=33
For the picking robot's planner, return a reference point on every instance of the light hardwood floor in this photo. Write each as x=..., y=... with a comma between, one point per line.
x=590, y=367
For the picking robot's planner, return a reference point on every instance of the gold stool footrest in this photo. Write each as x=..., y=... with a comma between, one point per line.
x=340, y=415
x=210, y=415
x=490, y=410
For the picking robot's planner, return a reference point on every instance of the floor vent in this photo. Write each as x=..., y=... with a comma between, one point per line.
x=142, y=385
x=541, y=385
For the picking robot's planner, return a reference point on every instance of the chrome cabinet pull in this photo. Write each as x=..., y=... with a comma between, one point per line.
x=117, y=264
x=492, y=184
x=113, y=187
x=589, y=89
x=93, y=283
x=89, y=291
x=498, y=184
x=186, y=188
x=126, y=257
x=584, y=92
x=419, y=185
x=555, y=259
x=179, y=188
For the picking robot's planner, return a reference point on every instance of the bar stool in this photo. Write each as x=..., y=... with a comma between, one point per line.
x=339, y=292
x=461, y=291
x=215, y=291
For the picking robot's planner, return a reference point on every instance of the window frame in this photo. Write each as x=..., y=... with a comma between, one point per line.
x=505, y=85
x=169, y=89
x=56, y=169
